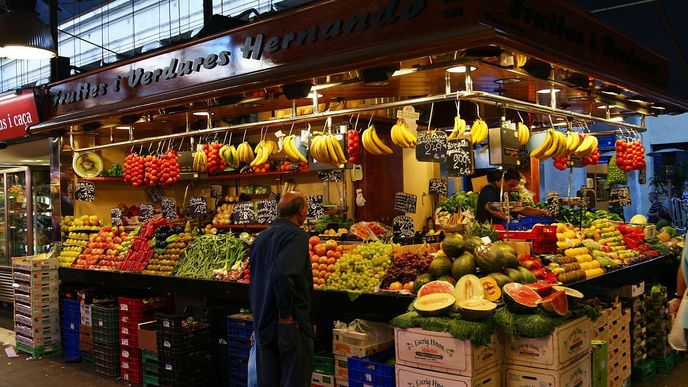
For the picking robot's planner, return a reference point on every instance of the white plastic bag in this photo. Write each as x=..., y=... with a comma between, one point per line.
x=677, y=336
x=252, y=372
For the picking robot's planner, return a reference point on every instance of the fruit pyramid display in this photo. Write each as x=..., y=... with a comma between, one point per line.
x=82, y=223
x=323, y=256
x=406, y=268
x=171, y=242
x=110, y=239
x=362, y=269
x=611, y=241
x=223, y=216
x=72, y=248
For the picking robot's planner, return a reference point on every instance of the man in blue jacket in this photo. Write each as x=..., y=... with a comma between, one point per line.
x=281, y=291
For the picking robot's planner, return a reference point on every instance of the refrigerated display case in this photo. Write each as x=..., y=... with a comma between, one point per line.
x=25, y=218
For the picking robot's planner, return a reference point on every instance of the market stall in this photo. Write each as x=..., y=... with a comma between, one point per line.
x=386, y=116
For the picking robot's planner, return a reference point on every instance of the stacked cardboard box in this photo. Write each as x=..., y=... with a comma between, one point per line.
x=439, y=359
x=370, y=339
x=613, y=326
x=658, y=322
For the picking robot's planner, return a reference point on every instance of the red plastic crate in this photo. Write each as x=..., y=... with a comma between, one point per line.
x=538, y=233
x=129, y=340
x=136, y=306
x=131, y=376
x=130, y=368
x=129, y=328
x=130, y=354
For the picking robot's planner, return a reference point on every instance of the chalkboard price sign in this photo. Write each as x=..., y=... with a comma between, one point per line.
x=266, y=211
x=438, y=186
x=620, y=196
x=331, y=175
x=169, y=208
x=116, y=216
x=459, y=158
x=405, y=202
x=243, y=213
x=85, y=191
x=402, y=227
x=155, y=193
x=198, y=207
x=431, y=146
x=216, y=191
x=146, y=214
x=315, y=207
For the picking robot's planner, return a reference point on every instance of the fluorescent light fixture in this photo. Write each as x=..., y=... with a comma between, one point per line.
x=637, y=99
x=202, y=113
x=505, y=81
x=611, y=90
x=311, y=95
x=547, y=91
x=460, y=69
x=401, y=72
x=657, y=107
x=616, y=119
x=123, y=127
x=607, y=107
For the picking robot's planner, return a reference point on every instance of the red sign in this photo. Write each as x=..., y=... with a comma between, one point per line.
x=17, y=112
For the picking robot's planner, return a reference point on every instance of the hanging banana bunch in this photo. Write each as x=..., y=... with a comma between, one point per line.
x=290, y=149
x=402, y=136
x=373, y=144
x=325, y=148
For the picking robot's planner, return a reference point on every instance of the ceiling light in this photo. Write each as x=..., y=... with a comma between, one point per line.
x=460, y=69
x=507, y=81
x=401, y=72
x=637, y=99
x=657, y=107
x=311, y=95
x=123, y=127
x=547, y=91
x=610, y=90
x=24, y=36
x=616, y=119
x=582, y=98
x=202, y=113
x=606, y=107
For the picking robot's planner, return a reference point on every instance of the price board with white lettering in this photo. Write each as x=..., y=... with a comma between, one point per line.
x=620, y=196
x=315, y=207
x=116, y=216
x=438, y=186
x=266, y=211
x=243, y=213
x=85, y=191
x=331, y=175
x=552, y=201
x=431, y=146
x=198, y=206
x=169, y=207
x=405, y=202
x=146, y=213
x=216, y=191
x=459, y=158
x=155, y=193
x=402, y=228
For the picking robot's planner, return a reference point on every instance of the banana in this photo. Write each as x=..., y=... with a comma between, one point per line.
x=380, y=144
x=245, y=153
x=459, y=128
x=572, y=141
x=540, y=150
x=290, y=149
x=402, y=136
x=586, y=146
x=200, y=160
x=554, y=147
x=409, y=139
x=341, y=158
x=561, y=151
x=523, y=133
x=317, y=150
x=478, y=131
x=368, y=142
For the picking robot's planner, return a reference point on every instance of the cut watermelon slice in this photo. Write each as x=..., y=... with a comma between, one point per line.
x=556, y=304
x=542, y=288
x=436, y=287
x=519, y=298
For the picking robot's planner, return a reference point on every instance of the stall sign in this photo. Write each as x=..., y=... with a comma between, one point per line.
x=85, y=191
x=266, y=211
x=198, y=207
x=216, y=191
x=331, y=175
x=243, y=213
x=459, y=158
x=155, y=193
x=146, y=213
x=169, y=208
x=315, y=207
x=402, y=228
x=438, y=186
x=405, y=202
x=17, y=112
x=116, y=216
x=431, y=146
x=552, y=203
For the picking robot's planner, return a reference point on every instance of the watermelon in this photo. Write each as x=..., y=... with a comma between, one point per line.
x=447, y=278
x=464, y=264
x=453, y=246
x=500, y=278
x=420, y=281
x=436, y=287
x=556, y=304
x=542, y=288
x=527, y=276
x=468, y=287
x=435, y=304
x=476, y=309
x=514, y=275
x=440, y=266
x=519, y=298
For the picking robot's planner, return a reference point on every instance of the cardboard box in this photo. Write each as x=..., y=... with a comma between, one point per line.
x=600, y=350
x=577, y=374
x=341, y=382
x=632, y=291
x=320, y=380
x=439, y=351
x=409, y=376
x=341, y=367
x=348, y=350
x=148, y=336
x=521, y=247
x=567, y=343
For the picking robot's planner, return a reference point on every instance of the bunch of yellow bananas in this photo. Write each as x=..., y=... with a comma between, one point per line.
x=557, y=144
x=402, y=136
x=478, y=131
x=523, y=133
x=228, y=153
x=326, y=149
x=245, y=153
x=459, y=128
x=289, y=147
x=263, y=150
x=200, y=160
x=588, y=145
x=373, y=144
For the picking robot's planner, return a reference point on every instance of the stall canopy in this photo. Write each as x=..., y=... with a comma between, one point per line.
x=358, y=50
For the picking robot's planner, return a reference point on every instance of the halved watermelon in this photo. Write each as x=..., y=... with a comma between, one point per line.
x=556, y=304
x=542, y=288
x=435, y=304
x=436, y=287
x=519, y=298
x=569, y=292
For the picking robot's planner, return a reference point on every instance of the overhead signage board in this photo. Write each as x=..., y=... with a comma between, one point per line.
x=17, y=112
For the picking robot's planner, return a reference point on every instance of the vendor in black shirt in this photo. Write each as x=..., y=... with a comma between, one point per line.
x=490, y=193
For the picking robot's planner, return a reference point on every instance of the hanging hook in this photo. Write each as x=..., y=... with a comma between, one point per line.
x=520, y=117
x=356, y=124
x=432, y=110
x=230, y=138
x=244, y=139
x=371, y=119
x=291, y=130
x=458, y=105
x=224, y=141
x=551, y=123
x=477, y=110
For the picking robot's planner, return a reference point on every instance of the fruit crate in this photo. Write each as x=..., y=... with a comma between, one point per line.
x=526, y=223
x=130, y=354
x=666, y=364
x=103, y=368
x=35, y=263
x=37, y=321
x=70, y=309
x=150, y=380
x=129, y=339
x=644, y=371
x=35, y=276
x=372, y=370
x=238, y=369
x=37, y=309
x=37, y=298
x=175, y=324
x=37, y=330
x=133, y=307
x=238, y=351
x=87, y=357
x=50, y=287
x=189, y=375
x=36, y=342
x=71, y=346
x=323, y=364
x=148, y=357
x=105, y=335
x=239, y=326
x=540, y=232
x=106, y=352
x=104, y=316
x=130, y=370
x=187, y=341
x=40, y=351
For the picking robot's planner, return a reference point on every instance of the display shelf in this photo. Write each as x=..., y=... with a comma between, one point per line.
x=99, y=178
x=241, y=226
x=229, y=176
